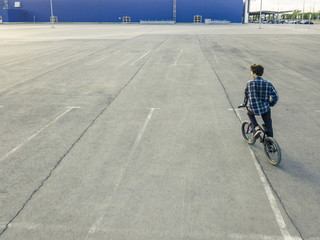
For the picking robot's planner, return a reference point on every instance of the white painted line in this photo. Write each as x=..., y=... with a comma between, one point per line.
x=237, y=112
x=178, y=58
x=100, y=59
x=36, y=133
x=24, y=225
x=124, y=168
x=318, y=111
x=140, y=58
x=214, y=55
x=1, y=106
x=116, y=52
x=141, y=132
x=96, y=61
x=207, y=235
x=276, y=211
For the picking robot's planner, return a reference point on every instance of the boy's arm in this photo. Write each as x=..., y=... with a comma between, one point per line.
x=245, y=99
x=274, y=97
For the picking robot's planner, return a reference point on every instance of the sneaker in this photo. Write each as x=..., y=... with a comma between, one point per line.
x=257, y=133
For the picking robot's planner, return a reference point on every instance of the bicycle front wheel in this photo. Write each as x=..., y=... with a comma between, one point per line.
x=247, y=132
x=273, y=151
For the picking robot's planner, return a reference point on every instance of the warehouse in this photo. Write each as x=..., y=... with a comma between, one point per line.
x=181, y=11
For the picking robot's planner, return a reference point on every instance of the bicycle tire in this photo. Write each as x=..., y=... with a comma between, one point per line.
x=247, y=132
x=273, y=151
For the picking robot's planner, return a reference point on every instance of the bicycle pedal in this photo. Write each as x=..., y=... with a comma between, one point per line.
x=270, y=149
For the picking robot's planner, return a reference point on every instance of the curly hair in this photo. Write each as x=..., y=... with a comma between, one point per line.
x=257, y=69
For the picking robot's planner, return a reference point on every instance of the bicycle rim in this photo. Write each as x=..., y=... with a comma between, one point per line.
x=273, y=151
x=247, y=132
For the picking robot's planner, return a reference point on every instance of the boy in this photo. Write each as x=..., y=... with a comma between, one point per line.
x=259, y=95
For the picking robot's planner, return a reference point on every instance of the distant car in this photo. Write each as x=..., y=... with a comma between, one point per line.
x=306, y=22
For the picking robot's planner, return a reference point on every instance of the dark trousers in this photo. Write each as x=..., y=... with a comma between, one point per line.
x=267, y=121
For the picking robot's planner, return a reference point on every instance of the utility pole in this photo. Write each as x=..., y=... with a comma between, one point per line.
x=174, y=10
x=260, y=14
x=51, y=18
x=6, y=4
x=278, y=18
x=246, y=11
x=304, y=1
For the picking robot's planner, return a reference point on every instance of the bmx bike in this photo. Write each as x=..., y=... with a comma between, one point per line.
x=271, y=147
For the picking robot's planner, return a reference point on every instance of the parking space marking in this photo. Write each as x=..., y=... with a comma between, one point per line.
x=116, y=52
x=124, y=168
x=318, y=111
x=213, y=235
x=96, y=61
x=36, y=133
x=272, y=200
x=140, y=58
x=99, y=60
x=215, y=57
x=178, y=58
x=237, y=112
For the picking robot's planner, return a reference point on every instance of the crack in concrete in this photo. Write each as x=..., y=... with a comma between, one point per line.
x=68, y=151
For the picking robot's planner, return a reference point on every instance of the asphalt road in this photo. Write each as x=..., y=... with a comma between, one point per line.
x=132, y=132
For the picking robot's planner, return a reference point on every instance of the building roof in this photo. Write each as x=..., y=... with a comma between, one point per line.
x=269, y=12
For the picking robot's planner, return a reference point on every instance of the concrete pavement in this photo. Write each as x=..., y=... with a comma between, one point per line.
x=131, y=132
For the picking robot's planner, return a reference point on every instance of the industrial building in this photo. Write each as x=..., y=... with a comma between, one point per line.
x=125, y=11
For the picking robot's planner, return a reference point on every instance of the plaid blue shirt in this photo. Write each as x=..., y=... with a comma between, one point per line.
x=260, y=95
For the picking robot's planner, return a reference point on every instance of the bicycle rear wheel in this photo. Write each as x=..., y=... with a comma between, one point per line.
x=273, y=151
x=247, y=132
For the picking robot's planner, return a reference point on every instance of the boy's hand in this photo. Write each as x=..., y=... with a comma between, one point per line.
x=271, y=104
x=240, y=106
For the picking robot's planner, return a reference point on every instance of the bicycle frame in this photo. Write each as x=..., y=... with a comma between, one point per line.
x=271, y=147
x=262, y=137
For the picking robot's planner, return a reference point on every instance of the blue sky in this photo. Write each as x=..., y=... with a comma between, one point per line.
x=285, y=5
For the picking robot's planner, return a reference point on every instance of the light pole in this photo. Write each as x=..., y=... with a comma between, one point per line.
x=6, y=4
x=247, y=11
x=304, y=1
x=260, y=14
x=278, y=12
x=174, y=10
x=51, y=18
